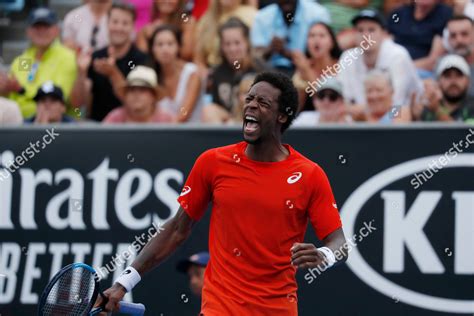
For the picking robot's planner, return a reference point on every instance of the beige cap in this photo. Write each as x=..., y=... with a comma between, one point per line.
x=142, y=76
x=453, y=61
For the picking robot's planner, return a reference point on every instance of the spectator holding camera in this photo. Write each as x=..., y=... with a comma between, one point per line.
x=282, y=27
x=100, y=73
x=50, y=106
x=46, y=59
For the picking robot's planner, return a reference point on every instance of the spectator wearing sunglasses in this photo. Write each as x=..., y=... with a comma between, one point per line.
x=45, y=60
x=380, y=108
x=86, y=26
x=329, y=106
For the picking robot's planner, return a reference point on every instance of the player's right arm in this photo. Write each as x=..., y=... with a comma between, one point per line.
x=174, y=233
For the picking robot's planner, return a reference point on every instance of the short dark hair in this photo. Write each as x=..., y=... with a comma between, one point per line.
x=124, y=6
x=460, y=17
x=288, y=99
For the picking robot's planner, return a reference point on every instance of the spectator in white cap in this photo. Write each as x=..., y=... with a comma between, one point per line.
x=140, y=105
x=50, y=106
x=448, y=99
x=376, y=51
x=329, y=106
x=461, y=42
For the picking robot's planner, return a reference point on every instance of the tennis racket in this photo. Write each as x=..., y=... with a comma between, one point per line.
x=73, y=292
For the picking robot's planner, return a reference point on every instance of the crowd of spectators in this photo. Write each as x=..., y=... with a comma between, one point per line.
x=185, y=61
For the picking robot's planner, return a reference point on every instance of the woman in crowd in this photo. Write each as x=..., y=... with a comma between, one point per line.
x=171, y=12
x=219, y=11
x=237, y=62
x=182, y=89
x=143, y=8
x=322, y=53
x=379, y=93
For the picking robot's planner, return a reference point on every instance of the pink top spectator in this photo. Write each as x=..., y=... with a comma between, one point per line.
x=120, y=116
x=143, y=8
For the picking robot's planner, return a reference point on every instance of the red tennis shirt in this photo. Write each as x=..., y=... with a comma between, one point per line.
x=259, y=210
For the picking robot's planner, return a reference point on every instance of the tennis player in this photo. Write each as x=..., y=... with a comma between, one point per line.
x=263, y=193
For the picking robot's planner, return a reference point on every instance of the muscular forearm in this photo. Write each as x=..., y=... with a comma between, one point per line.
x=174, y=233
x=336, y=242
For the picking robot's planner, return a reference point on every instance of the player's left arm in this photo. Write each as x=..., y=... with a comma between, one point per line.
x=325, y=219
x=307, y=255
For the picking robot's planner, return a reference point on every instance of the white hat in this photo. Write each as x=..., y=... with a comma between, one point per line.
x=142, y=76
x=453, y=61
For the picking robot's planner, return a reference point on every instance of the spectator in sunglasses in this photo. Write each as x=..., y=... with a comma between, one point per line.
x=380, y=108
x=329, y=106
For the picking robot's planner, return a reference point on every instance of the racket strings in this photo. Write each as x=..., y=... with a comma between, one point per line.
x=71, y=294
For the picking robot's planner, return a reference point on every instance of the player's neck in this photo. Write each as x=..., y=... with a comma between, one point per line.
x=267, y=152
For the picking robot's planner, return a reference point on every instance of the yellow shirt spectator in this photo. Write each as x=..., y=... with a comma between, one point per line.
x=58, y=64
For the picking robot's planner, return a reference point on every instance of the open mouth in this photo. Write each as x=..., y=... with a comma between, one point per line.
x=251, y=124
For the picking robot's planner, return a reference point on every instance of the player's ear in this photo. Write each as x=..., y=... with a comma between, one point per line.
x=282, y=118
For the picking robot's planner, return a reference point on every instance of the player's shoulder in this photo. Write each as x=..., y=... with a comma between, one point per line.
x=306, y=164
x=221, y=152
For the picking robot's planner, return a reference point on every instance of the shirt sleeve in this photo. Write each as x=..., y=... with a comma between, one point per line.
x=197, y=191
x=322, y=207
x=68, y=27
x=259, y=37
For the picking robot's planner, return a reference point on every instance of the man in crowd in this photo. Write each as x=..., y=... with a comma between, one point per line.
x=140, y=100
x=194, y=267
x=328, y=104
x=282, y=27
x=100, y=73
x=50, y=106
x=418, y=27
x=86, y=26
x=45, y=60
x=461, y=42
x=447, y=100
x=376, y=51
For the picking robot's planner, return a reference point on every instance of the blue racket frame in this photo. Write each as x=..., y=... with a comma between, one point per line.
x=125, y=307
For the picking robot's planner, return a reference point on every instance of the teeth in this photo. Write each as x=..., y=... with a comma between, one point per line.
x=251, y=118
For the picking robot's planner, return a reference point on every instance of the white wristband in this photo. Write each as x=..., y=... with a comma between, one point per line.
x=330, y=257
x=129, y=278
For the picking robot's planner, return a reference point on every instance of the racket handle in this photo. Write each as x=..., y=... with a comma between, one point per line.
x=132, y=308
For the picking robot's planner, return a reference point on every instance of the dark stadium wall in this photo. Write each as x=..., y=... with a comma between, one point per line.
x=91, y=194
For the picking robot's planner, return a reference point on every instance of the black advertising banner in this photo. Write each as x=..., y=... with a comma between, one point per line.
x=95, y=195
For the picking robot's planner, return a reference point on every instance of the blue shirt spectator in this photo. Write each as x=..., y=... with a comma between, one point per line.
x=281, y=28
x=414, y=27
